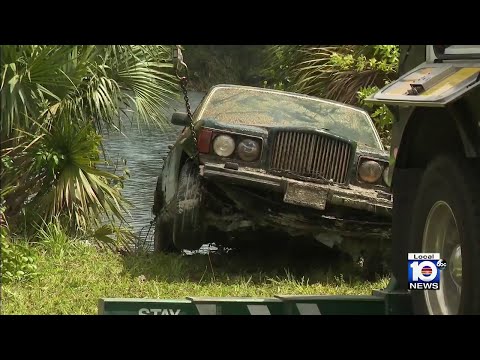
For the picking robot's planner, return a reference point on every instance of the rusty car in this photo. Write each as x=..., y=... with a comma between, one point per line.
x=261, y=159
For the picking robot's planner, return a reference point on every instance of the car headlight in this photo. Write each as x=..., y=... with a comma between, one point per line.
x=370, y=171
x=224, y=145
x=248, y=150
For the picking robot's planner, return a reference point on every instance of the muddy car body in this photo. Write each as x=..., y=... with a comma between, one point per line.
x=272, y=160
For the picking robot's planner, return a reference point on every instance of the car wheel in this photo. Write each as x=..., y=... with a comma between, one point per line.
x=188, y=224
x=162, y=239
x=158, y=197
x=446, y=220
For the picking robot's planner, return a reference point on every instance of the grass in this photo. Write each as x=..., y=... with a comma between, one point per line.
x=74, y=275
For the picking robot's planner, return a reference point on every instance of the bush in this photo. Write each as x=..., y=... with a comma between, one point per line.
x=18, y=260
x=223, y=64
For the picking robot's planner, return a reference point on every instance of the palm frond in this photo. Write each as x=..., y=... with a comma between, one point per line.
x=32, y=78
x=345, y=85
x=114, y=237
x=150, y=80
x=58, y=169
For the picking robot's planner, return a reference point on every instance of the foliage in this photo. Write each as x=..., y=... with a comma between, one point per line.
x=114, y=237
x=58, y=175
x=89, y=83
x=345, y=73
x=56, y=100
x=223, y=64
x=54, y=241
x=280, y=62
x=18, y=261
x=381, y=115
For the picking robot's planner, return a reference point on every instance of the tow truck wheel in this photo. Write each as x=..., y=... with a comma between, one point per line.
x=446, y=220
x=188, y=223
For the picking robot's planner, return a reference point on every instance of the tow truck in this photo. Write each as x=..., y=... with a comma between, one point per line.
x=434, y=175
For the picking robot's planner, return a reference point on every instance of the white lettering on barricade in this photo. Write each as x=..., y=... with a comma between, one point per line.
x=145, y=311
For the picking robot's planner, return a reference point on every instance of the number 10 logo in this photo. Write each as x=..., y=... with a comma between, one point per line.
x=423, y=271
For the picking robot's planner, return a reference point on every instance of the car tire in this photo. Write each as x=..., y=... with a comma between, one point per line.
x=162, y=239
x=448, y=199
x=189, y=227
x=162, y=236
x=158, y=197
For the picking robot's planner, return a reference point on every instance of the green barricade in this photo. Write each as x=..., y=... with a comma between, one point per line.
x=380, y=303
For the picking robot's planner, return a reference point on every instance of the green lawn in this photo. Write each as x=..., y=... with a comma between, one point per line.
x=73, y=278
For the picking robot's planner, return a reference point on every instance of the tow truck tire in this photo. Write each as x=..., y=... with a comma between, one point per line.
x=188, y=222
x=448, y=199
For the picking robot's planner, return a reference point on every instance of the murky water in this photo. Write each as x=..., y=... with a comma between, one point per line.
x=144, y=149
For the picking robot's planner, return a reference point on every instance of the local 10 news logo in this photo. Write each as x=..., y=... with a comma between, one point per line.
x=424, y=271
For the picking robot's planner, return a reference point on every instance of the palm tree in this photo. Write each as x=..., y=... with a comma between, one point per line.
x=55, y=101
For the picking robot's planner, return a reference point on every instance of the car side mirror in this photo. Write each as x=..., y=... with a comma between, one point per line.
x=180, y=118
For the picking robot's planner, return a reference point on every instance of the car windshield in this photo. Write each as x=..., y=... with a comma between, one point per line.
x=250, y=106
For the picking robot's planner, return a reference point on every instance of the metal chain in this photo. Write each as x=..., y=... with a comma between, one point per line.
x=183, y=84
x=180, y=65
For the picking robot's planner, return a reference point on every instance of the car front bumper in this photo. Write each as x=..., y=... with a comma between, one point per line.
x=302, y=193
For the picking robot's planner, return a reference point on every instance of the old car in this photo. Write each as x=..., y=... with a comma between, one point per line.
x=273, y=160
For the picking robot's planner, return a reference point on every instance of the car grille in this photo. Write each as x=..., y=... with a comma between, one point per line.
x=310, y=155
